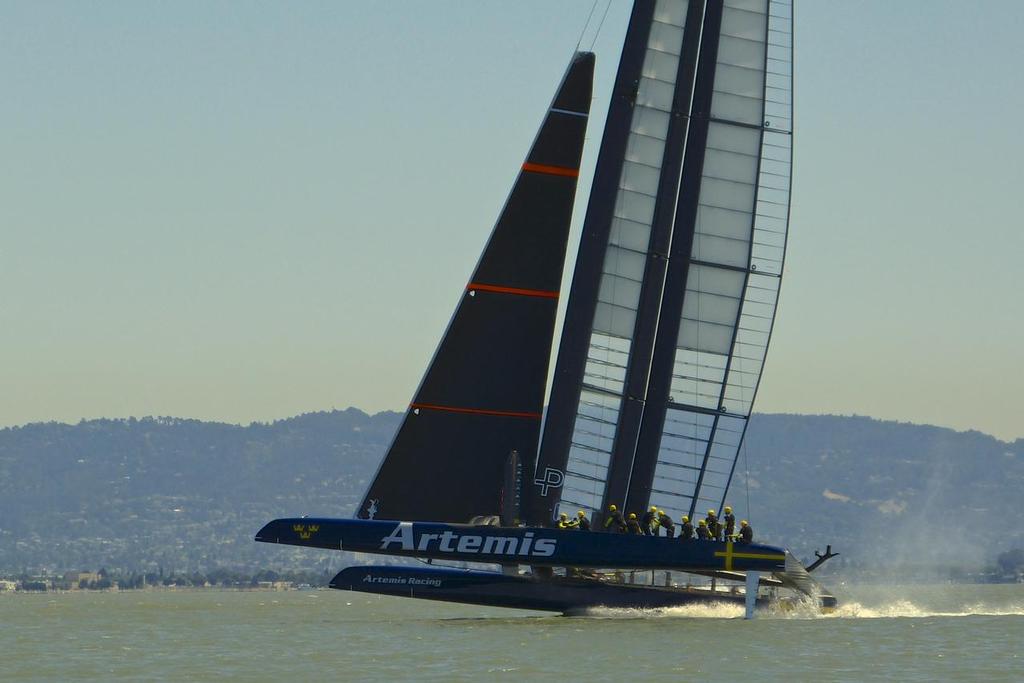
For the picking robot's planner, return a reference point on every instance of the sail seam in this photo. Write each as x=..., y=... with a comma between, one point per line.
x=542, y=293
x=552, y=170
x=475, y=411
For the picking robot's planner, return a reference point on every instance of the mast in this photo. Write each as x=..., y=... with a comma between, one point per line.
x=570, y=366
x=664, y=237
x=482, y=396
x=641, y=465
x=726, y=264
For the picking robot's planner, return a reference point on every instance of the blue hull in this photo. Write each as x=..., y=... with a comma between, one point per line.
x=519, y=592
x=533, y=546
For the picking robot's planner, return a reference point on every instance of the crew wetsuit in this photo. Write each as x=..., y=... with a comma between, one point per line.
x=645, y=523
x=615, y=522
x=686, y=532
x=583, y=524
x=714, y=527
x=746, y=535
x=633, y=527
x=666, y=523
x=730, y=524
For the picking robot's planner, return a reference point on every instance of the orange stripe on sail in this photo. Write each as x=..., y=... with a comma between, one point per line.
x=475, y=411
x=551, y=170
x=544, y=293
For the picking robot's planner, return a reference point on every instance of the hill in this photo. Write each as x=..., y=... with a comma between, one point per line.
x=186, y=495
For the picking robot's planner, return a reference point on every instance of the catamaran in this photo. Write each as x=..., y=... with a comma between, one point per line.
x=666, y=329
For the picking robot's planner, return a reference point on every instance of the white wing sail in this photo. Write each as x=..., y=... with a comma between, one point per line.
x=680, y=262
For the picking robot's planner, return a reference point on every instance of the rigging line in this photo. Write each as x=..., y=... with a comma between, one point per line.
x=592, y=8
x=746, y=479
x=598, y=31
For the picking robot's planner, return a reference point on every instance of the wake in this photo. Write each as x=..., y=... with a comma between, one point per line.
x=898, y=609
x=905, y=609
x=702, y=611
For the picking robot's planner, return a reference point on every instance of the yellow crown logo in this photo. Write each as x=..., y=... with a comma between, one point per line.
x=305, y=532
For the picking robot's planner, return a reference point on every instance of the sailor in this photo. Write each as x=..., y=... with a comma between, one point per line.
x=666, y=523
x=582, y=523
x=686, y=530
x=633, y=526
x=746, y=533
x=648, y=520
x=714, y=526
x=614, y=520
x=730, y=523
x=565, y=523
x=702, y=531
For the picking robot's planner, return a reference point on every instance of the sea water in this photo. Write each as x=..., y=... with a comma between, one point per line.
x=915, y=633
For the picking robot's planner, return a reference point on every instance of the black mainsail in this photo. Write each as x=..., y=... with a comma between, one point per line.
x=482, y=396
x=678, y=274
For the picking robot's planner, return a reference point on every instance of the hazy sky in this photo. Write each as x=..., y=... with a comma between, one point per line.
x=244, y=211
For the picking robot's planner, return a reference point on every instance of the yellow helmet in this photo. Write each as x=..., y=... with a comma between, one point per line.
x=685, y=518
x=632, y=515
x=580, y=514
x=711, y=512
x=728, y=509
x=654, y=508
x=612, y=508
x=743, y=523
x=702, y=523
x=563, y=516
